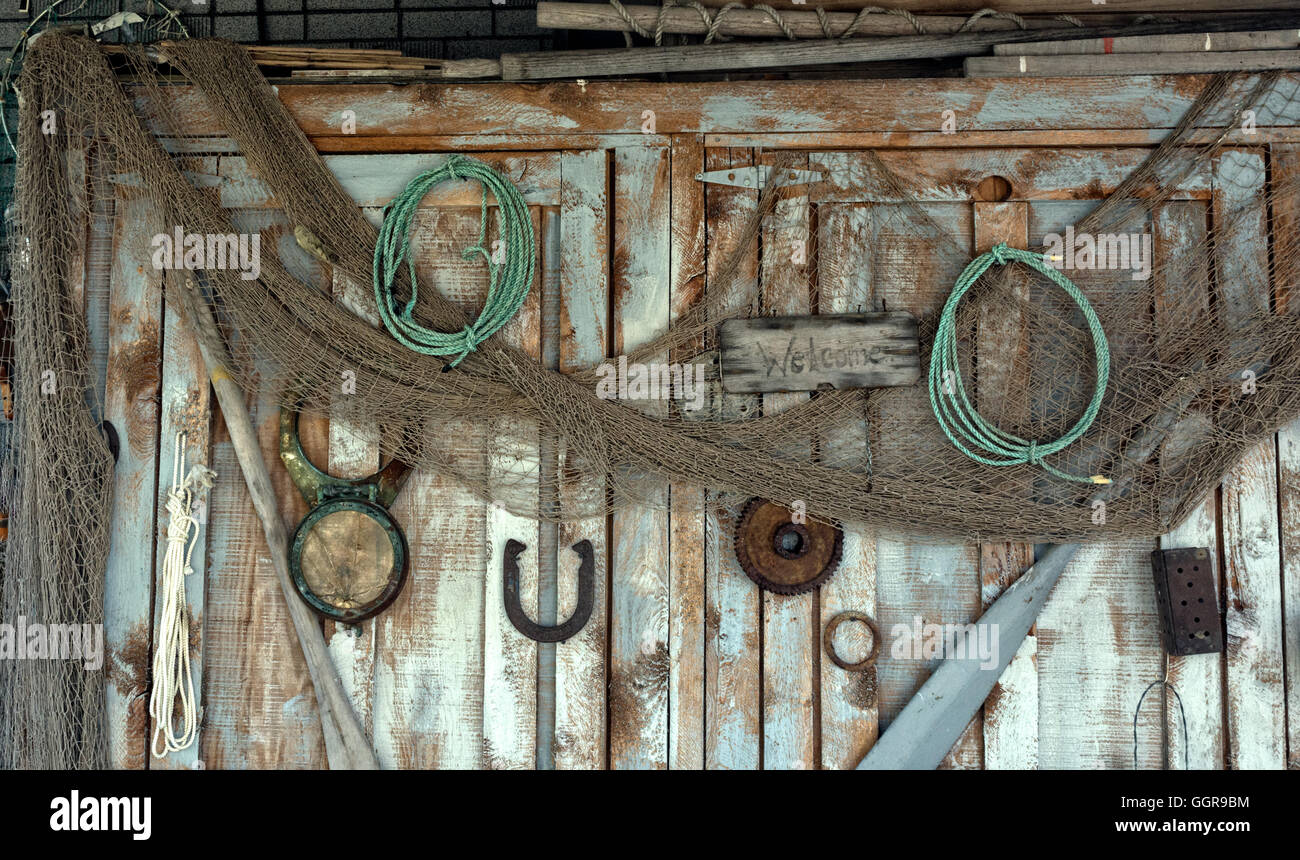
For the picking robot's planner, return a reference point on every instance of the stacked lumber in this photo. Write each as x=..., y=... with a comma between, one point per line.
x=343, y=63
x=1186, y=53
x=1026, y=37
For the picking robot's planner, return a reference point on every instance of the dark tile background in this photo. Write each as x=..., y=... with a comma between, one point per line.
x=454, y=29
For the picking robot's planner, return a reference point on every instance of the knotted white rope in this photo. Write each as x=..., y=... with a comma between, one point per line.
x=171, y=660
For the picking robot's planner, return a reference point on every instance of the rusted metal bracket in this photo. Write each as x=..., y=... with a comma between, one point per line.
x=515, y=611
x=760, y=176
x=1186, y=601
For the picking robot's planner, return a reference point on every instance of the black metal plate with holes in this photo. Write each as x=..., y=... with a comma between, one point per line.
x=1187, y=601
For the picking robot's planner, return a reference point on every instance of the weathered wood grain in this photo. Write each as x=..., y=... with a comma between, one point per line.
x=1042, y=7
x=791, y=640
x=687, y=572
x=1180, y=230
x=549, y=65
x=372, y=180
x=935, y=582
x=750, y=22
x=353, y=453
x=1251, y=573
x=955, y=174
x=639, y=594
x=580, y=676
x=775, y=354
x=1010, y=719
x=849, y=707
x=509, y=657
x=1099, y=65
x=733, y=682
x=741, y=107
x=1178, y=43
x=184, y=407
x=131, y=406
x=1285, y=165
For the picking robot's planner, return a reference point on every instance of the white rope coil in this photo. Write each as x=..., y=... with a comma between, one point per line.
x=172, y=679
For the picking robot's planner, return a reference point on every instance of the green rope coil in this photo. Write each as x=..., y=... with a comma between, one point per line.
x=508, y=282
x=961, y=423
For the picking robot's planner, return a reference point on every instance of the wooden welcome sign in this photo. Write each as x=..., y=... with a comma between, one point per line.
x=768, y=354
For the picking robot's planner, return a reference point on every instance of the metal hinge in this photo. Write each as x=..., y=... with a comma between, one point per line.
x=759, y=177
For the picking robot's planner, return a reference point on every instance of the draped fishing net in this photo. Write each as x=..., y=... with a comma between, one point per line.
x=1205, y=346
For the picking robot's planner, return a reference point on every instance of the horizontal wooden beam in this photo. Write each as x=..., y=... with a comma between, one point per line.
x=758, y=23
x=1036, y=7
x=745, y=108
x=1094, y=65
x=1255, y=40
x=551, y=65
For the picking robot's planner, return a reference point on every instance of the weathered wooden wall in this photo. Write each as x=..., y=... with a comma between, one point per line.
x=685, y=664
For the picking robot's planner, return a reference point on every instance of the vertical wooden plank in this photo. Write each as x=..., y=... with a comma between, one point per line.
x=733, y=715
x=1098, y=649
x=1286, y=277
x=548, y=534
x=1181, y=298
x=184, y=408
x=131, y=406
x=639, y=660
x=580, y=689
x=849, y=708
x=1252, y=551
x=1098, y=640
x=429, y=681
x=353, y=453
x=1010, y=719
x=259, y=705
x=687, y=501
x=789, y=622
x=918, y=581
x=509, y=657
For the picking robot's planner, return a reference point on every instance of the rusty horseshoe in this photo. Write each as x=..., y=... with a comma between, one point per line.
x=515, y=611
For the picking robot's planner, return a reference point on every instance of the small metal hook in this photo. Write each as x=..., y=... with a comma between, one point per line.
x=515, y=611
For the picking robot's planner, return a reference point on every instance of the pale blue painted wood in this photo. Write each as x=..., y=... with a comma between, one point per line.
x=639, y=658
x=733, y=717
x=580, y=676
x=1253, y=600
x=131, y=405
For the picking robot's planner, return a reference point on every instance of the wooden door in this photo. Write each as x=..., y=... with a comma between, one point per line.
x=685, y=663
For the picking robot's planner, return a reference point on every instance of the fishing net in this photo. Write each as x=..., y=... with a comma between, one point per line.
x=1204, y=347
x=1203, y=350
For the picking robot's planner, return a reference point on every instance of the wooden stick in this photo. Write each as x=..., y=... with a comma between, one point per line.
x=695, y=58
x=1182, y=43
x=1035, y=7
x=1084, y=65
x=346, y=745
x=805, y=23
x=451, y=69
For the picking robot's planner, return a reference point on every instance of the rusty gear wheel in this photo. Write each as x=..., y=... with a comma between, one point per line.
x=783, y=556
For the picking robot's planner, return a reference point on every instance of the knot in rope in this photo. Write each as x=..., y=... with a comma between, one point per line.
x=965, y=428
x=509, y=278
x=999, y=253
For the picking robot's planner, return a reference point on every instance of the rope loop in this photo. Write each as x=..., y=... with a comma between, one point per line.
x=961, y=422
x=508, y=280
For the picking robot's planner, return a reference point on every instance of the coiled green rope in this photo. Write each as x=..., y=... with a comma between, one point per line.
x=508, y=282
x=961, y=423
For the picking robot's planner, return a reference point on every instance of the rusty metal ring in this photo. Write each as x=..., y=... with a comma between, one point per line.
x=828, y=640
